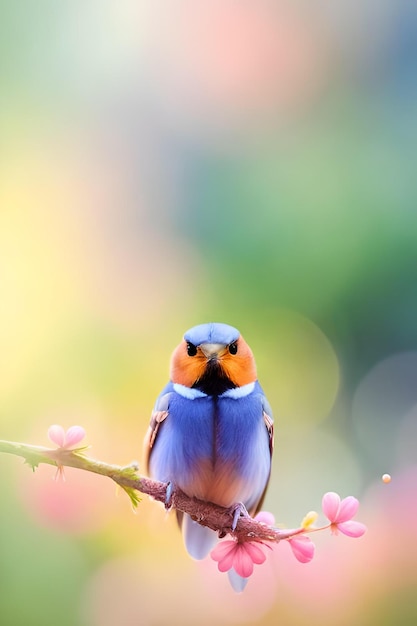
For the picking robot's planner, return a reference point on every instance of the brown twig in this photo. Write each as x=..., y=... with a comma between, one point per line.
x=207, y=514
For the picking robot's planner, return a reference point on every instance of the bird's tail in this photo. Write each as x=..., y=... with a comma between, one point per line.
x=199, y=540
x=238, y=582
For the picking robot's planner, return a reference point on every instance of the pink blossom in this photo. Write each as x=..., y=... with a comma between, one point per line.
x=302, y=548
x=239, y=556
x=340, y=512
x=265, y=518
x=66, y=439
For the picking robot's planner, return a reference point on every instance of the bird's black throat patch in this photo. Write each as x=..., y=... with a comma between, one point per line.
x=214, y=381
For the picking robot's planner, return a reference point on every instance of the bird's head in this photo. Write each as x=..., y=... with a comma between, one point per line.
x=213, y=357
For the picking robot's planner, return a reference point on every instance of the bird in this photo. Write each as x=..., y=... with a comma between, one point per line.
x=211, y=431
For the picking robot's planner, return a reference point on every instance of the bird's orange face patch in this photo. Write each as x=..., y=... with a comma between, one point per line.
x=185, y=369
x=240, y=367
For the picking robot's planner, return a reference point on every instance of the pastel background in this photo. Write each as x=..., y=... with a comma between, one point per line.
x=165, y=164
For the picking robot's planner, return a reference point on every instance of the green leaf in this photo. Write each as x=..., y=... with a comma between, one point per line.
x=133, y=495
x=32, y=464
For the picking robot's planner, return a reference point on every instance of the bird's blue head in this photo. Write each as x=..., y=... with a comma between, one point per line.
x=212, y=333
x=213, y=357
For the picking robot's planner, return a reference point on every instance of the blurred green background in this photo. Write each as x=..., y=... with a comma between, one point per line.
x=167, y=164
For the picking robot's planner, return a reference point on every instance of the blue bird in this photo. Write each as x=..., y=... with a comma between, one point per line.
x=211, y=431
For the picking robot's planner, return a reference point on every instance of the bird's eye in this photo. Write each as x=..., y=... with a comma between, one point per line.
x=233, y=348
x=191, y=349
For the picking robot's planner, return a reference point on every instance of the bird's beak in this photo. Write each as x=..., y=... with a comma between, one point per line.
x=212, y=350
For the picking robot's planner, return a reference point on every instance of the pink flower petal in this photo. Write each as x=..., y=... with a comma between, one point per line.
x=239, y=556
x=265, y=517
x=224, y=554
x=242, y=562
x=330, y=505
x=74, y=435
x=256, y=553
x=56, y=434
x=348, y=509
x=227, y=562
x=302, y=547
x=352, y=528
x=222, y=549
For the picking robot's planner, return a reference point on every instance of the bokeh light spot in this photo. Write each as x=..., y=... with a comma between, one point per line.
x=382, y=401
x=300, y=370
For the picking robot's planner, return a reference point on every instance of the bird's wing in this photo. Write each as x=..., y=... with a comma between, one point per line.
x=198, y=539
x=269, y=424
x=159, y=414
x=157, y=418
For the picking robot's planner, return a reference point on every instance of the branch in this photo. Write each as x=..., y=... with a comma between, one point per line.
x=207, y=514
x=238, y=556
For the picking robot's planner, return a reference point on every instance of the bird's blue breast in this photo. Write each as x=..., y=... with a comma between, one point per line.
x=213, y=448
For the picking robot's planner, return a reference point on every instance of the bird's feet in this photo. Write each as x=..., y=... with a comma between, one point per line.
x=238, y=510
x=168, y=495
